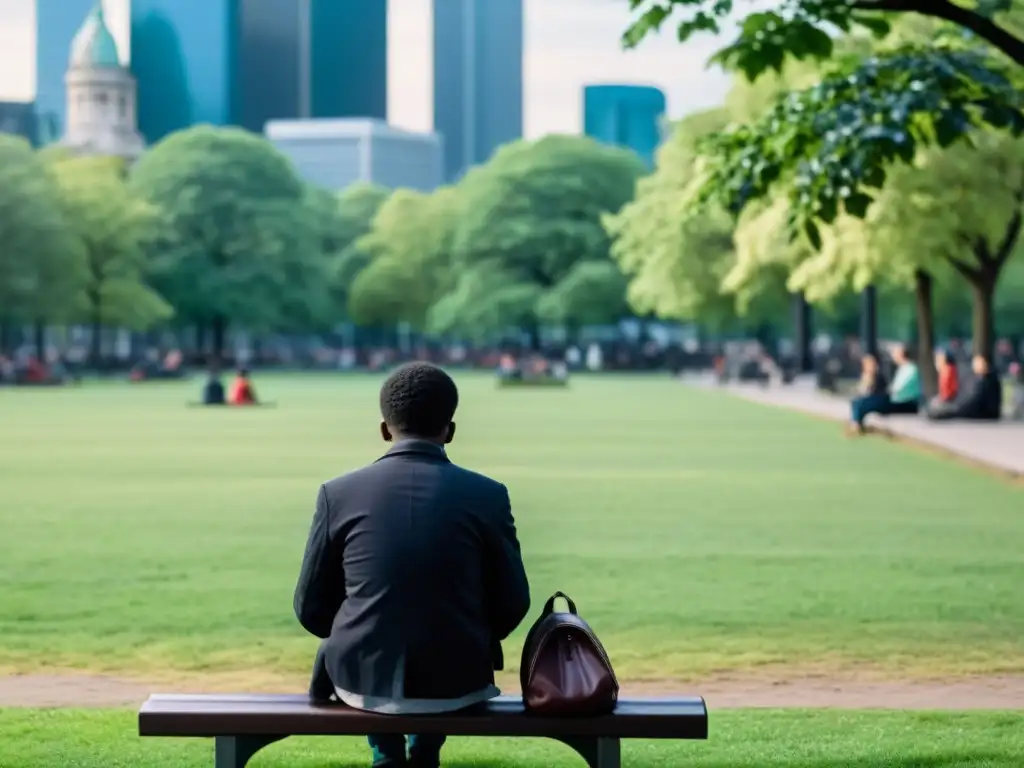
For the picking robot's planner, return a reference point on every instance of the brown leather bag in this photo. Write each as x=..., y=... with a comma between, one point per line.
x=565, y=670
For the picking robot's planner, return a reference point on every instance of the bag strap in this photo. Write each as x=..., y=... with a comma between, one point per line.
x=549, y=606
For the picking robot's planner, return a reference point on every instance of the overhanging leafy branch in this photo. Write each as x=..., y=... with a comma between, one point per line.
x=829, y=146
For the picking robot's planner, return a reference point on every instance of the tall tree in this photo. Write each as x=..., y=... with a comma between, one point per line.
x=830, y=149
x=113, y=228
x=527, y=218
x=41, y=266
x=354, y=212
x=677, y=264
x=240, y=239
x=408, y=248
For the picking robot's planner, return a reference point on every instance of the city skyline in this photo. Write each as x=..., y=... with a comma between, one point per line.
x=557, y=64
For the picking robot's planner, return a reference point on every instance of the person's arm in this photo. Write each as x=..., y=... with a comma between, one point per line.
x=507, y=588
x=321, y=587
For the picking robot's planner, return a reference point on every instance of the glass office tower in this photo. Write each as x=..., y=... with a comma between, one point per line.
x=478, y=79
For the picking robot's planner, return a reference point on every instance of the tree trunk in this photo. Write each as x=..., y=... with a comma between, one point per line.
x=6, y=334
x=532, y=331
x=925, y=333
x=219, y=328
x=96, y=342
x=39, y=331
x=983, y=338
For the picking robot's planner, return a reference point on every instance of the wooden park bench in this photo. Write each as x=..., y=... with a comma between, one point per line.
x=241, y=725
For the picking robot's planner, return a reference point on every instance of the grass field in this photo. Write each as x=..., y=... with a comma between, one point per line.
x=792, y=739
x=697, y=533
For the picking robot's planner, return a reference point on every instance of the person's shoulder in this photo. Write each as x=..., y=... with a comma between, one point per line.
x=354, y=476
x=477, y=480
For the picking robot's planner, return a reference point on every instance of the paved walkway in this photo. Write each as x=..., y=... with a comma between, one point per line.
x=999, y=445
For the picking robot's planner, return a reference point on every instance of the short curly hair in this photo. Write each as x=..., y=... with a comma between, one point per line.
x=419, y=399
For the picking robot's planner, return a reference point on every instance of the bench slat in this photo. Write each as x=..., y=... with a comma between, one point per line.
x=294, y=715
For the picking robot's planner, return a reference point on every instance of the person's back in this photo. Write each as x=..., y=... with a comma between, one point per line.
x=412, y=572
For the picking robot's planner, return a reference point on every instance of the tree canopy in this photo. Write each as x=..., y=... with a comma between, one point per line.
x=527, y=220
x=241, y=242
x=41, y=269
x=805, y=29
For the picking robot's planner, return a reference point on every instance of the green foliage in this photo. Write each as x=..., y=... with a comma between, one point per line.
x=528, y=219
x=41, y=269
x=677, y=263
x=242, y=241
x=804, y=29
x=409, y=251
x=113, y=228
x=831, y=145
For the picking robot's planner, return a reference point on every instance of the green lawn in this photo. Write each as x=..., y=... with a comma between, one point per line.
x=697, y=533
x=793, y=739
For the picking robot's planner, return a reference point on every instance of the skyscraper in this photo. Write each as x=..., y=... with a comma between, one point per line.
x=185, y=57
x=57, y=21
x=312, y=58
x=19, y=118
x=478, y=78
x=625, y=115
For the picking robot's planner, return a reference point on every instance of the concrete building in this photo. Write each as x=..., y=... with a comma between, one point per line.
x=185, y=59
x=335, y=153
x=312, y=58
x=478, y=79
x=625, y=115
x=19, y=118
x=100, y=116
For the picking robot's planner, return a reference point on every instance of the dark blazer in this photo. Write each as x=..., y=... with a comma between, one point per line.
x=413, y=576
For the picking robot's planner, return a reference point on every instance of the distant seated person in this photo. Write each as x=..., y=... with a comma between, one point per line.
x=213, y=390
x=949, y=381
x=7, y=370
x=1017, y=382
x=559, y=370
x=982, y=402
x=903, y=397
x=242, y=391
x=172, y=364
x=35, y=371
x=508, y=368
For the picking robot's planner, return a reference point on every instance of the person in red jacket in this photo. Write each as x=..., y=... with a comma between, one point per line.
x=949, y=380
x=242, y=392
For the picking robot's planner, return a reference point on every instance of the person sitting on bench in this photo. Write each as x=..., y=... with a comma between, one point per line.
x=213, y=390
x=242, y=392
x=903, y=397
x=1017, y=382
x=412, y=574
x=984, y=400
x=949, y=381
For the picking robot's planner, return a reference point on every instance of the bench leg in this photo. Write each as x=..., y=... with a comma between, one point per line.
x=236, y=751
x=599, y=753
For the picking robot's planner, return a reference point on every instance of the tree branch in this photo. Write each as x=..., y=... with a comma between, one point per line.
x=980, y=25
x=1009, y=243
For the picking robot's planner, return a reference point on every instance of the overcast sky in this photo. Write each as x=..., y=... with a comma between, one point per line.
x=569, y=43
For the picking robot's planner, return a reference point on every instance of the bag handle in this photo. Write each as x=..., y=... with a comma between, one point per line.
x=549, y=606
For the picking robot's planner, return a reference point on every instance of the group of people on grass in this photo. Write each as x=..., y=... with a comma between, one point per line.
x=242, y=391
x=31, y=371
x=531, y=368
x=981, y=400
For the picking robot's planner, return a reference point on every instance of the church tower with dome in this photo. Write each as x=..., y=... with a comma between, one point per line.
x=101, y=94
